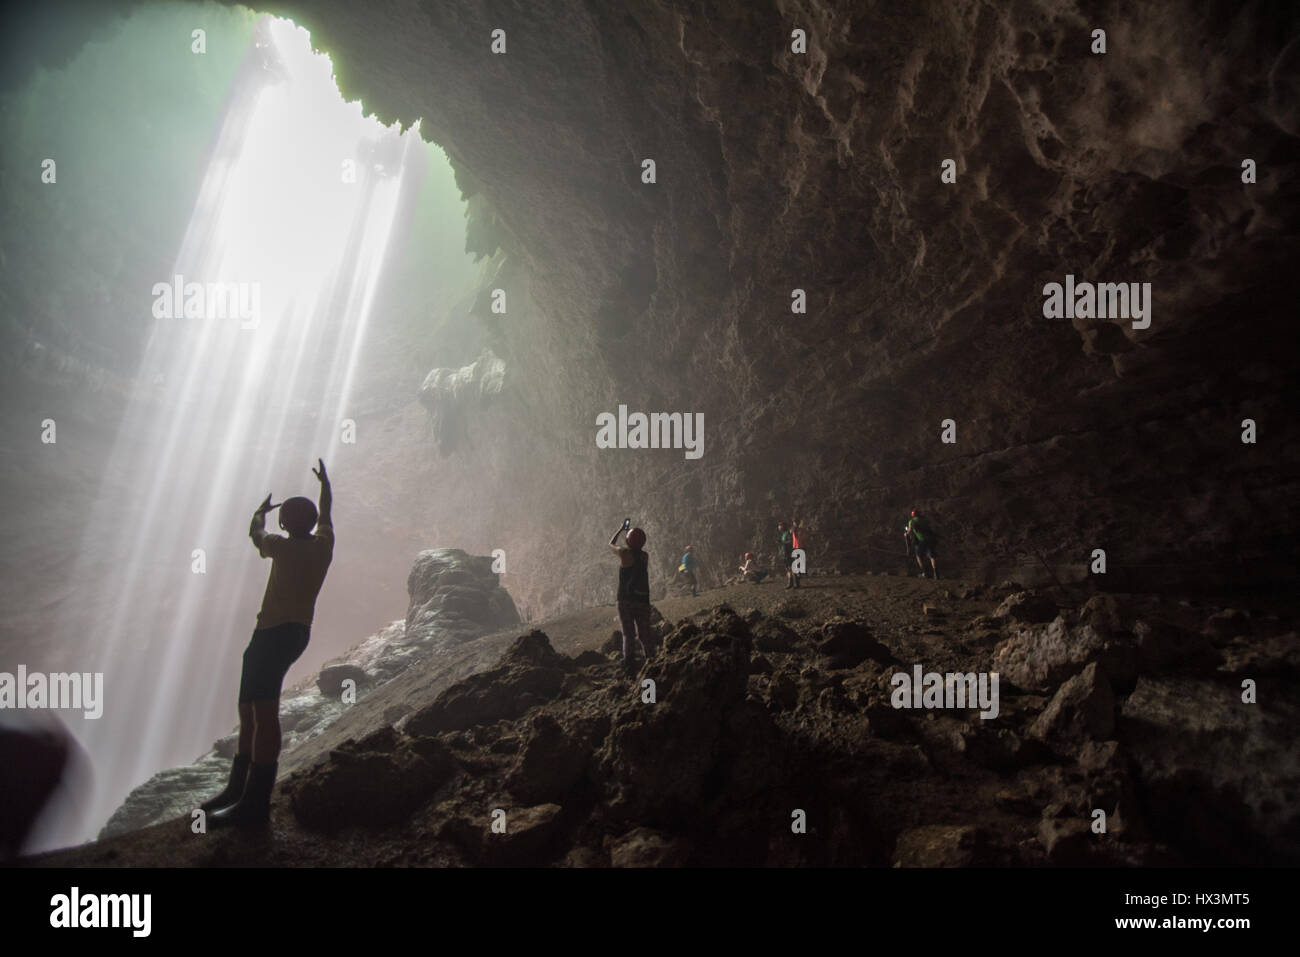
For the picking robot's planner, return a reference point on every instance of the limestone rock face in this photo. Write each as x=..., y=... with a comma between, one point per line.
x=778, y=171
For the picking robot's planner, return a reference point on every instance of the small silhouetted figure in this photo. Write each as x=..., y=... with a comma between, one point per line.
x=687, y=569
x=633, y=594
x=799, y=539
x=749, y=571
x=298, y=566
x=920, y=534
x=785, y=545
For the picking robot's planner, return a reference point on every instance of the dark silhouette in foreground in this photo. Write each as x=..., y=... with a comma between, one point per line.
x=298, y=566
x=33, y=759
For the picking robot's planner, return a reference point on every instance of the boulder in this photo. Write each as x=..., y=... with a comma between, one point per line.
x=771, y=635
x=377, y=781
x=1218, y=776
x=1025, y=606
x=529, y=673
x=847, y=643
x=331, y=678
x=1039, y=657
x=1083, y=708
x=550, y=764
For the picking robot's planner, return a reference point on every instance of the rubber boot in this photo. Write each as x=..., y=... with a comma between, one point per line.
x=234, y=788
x=254, y=807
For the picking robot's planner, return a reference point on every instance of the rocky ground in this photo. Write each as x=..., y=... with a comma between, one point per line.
x=771, y=707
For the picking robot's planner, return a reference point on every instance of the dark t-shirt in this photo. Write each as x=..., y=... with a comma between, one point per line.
x=634, y=579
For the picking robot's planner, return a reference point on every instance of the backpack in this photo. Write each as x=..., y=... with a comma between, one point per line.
x=925, y=531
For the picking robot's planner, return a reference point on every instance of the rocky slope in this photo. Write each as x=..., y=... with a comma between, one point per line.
x=773, y=707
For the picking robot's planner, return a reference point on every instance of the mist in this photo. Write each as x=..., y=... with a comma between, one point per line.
x=212, y=291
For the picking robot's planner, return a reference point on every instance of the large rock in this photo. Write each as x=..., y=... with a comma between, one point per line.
x=530, y=672
x=455, y=596
x=1217, y=776
x=1040, y=657
x=377, y=781
x=331, y=679
x=847, y=643
x=1083, y=708
x=1026, y=607
x=553, y=760
x=701, y=741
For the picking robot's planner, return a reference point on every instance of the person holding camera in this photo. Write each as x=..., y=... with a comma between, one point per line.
x=633, y=593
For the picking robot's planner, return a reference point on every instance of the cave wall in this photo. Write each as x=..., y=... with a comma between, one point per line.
x=821, y=171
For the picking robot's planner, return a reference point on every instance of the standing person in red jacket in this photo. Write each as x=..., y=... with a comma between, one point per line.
x=800, y=541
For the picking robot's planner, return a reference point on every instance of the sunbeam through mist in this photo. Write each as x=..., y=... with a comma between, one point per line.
x=245, y=381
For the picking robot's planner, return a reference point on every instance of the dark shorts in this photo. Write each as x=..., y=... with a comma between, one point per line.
x=925, y=550
x=268, y=657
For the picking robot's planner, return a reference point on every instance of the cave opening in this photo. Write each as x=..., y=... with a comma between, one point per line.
x=308, y=260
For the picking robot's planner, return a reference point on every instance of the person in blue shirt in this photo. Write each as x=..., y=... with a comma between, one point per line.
x=687, y=569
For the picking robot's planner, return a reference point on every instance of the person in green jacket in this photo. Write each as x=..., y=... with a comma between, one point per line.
x=920, y=534
x=785, y=542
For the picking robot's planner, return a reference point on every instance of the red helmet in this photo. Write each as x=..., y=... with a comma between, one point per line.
x=688, y=548
x=298, y=515
x=636, y=538
x=749, y=556
x=914, y=513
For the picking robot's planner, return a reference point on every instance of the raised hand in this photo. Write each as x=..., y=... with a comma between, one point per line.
x=320, y=473
x=267, y=506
